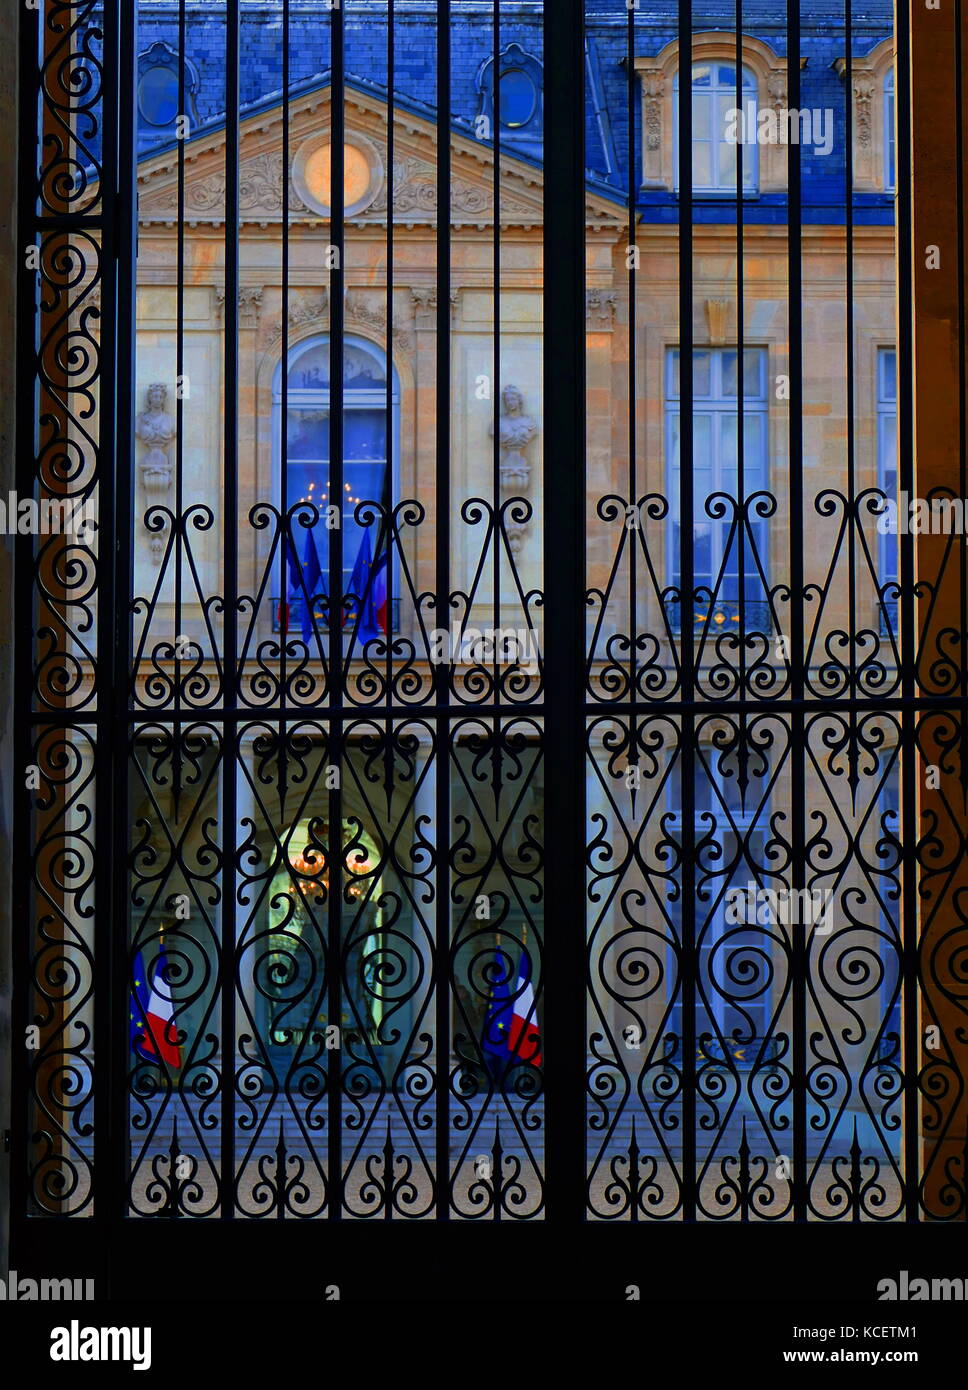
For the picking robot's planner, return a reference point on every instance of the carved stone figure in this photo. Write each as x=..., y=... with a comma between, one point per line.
x=156, y=429
x=517, y=430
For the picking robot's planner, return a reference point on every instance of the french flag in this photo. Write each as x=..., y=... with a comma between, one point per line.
x=524, y=1041
x=153, y=1033
x=380, y=590
x=511, y=1028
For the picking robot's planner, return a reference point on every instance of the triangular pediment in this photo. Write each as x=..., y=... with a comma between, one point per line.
x=261, y=162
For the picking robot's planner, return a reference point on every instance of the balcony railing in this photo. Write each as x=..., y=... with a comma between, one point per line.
x=294, y=608
x=723, y=616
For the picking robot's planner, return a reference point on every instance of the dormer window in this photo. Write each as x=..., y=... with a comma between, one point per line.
x=724, y=117
x=159, y=93
x=520, y=99
x=716, y=129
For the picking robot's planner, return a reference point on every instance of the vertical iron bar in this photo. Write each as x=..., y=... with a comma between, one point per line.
x=799, y=956
x=21, y=884
x=120, y=535
x=179, y=405
x=740, y=375
x=907, y=614
x=284, y=596
x=564, y=966
x=442, y=672
x=962, y=430
x=496, y=405
x=334, y=950
x=385, y=529
x=110, y=956
x=230, y=518
x=632, y=535
x=108, y=1164
x=849, y=292
x=688, y=968
x=962, y=398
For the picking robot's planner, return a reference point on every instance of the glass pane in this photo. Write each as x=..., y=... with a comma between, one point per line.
x=363, y=482
x=702, y=75
x=703, y=553
x=752, y=372
x=727, y=166
x=726, y=102
x=158, y=96
x=361, y=371
x=701, y=116
x=889, y=452
x=517, y=97
x=754, y=449
x=728, y=360
x=364, y=435
x=307, y=434
x=754, y=453
x=702, y=444
x=307, y=483
x=702, y=165
x=701, y=373
x=310, y=371
x=749, y=169
x=888, y=376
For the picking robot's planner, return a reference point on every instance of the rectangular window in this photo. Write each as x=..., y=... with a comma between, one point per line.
x=887, y=475
x=729, y=540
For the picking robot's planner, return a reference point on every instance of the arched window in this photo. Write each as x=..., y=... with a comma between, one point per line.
x=366, y=435
x=719, y=124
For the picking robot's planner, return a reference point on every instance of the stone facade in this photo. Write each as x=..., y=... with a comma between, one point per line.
x=401, y=321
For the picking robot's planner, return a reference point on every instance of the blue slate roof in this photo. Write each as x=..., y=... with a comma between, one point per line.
x=473, y=41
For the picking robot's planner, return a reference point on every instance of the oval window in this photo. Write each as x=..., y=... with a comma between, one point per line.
x=518, y=98
x=318, y=173
x=158, y=96
x=312, y=173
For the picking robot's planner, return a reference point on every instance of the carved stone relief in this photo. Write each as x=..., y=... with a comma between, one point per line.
x=516, y=432
x=156, y=429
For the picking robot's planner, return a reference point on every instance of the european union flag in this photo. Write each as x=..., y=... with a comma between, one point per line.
x=361, y=588
x=304, y=580
x=496, y=1041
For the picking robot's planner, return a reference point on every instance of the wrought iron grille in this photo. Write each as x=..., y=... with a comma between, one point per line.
x=606, y=878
